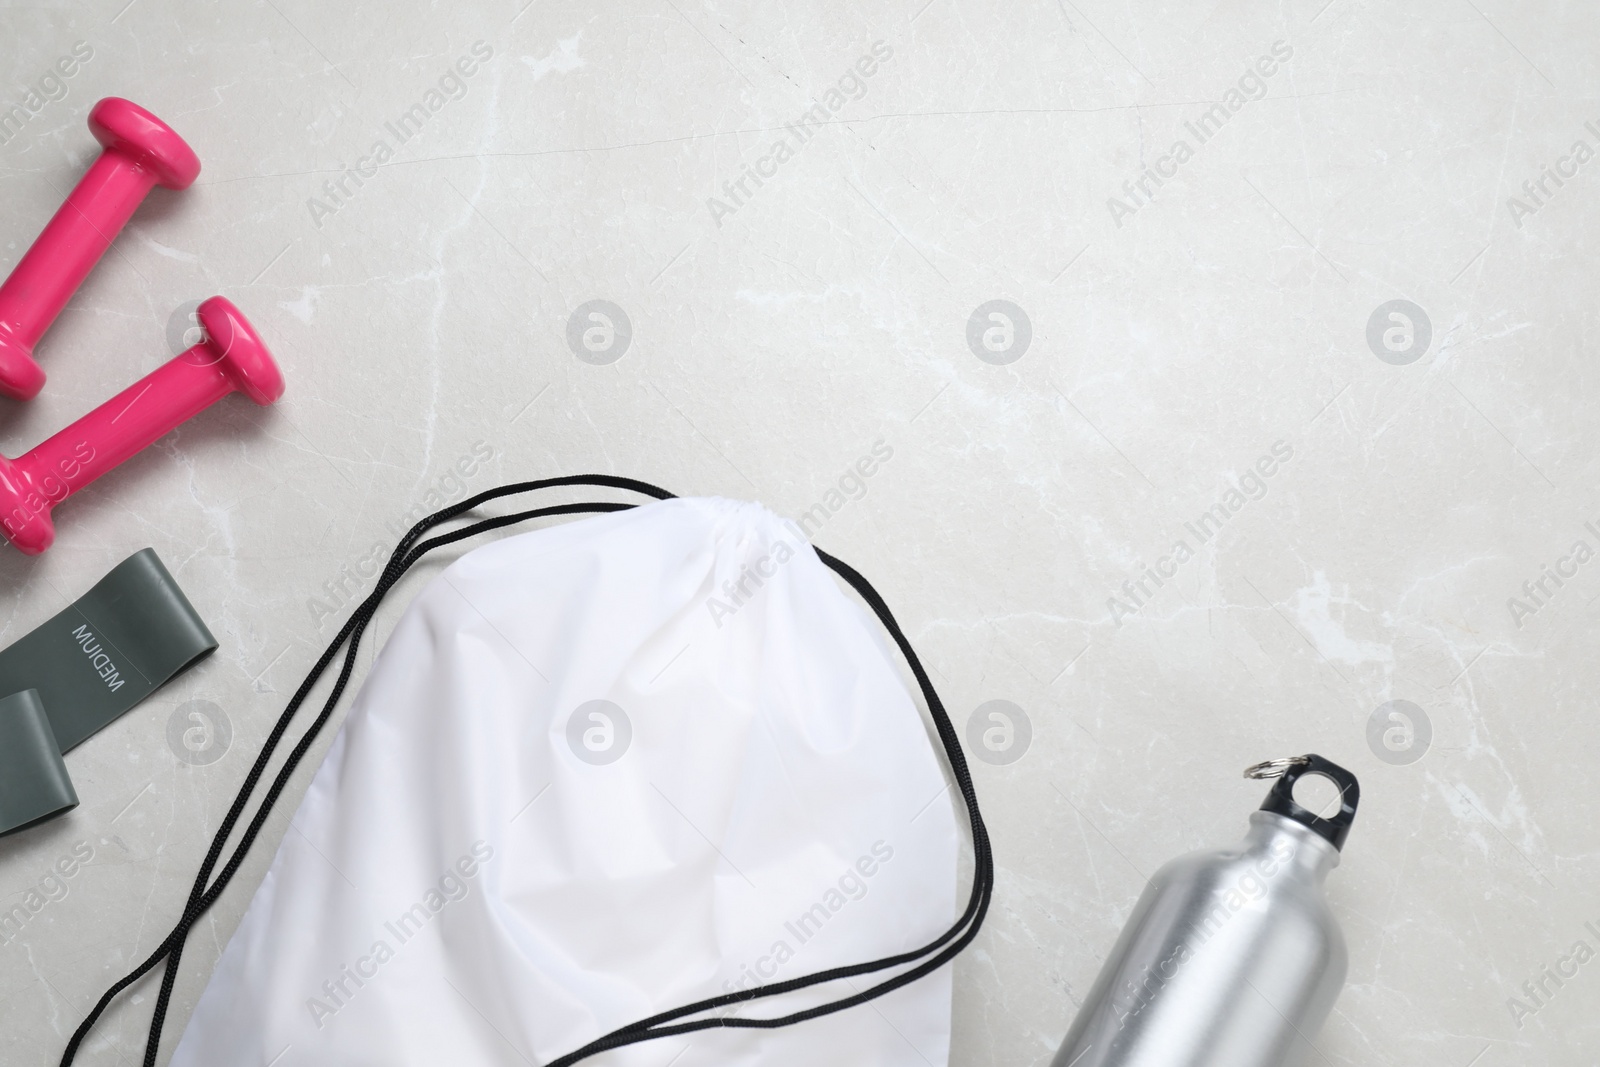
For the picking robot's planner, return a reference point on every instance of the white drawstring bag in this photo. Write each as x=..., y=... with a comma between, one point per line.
x=599, y=771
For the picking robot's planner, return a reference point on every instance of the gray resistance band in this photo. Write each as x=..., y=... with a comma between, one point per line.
x=114, y=646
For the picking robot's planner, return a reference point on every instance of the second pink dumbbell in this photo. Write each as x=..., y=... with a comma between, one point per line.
x=141, y=152
x=230, y=359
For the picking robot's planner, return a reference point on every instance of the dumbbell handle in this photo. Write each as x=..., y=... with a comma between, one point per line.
x=140, y=152
x=230, y=359
x=138, y=416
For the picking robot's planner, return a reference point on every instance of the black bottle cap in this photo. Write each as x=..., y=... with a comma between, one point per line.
x=1280, y=801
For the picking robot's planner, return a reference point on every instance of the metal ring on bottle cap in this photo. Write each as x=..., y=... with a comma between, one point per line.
x=1275, y=768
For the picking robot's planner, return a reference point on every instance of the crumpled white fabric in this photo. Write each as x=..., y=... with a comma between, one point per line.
x=459, y=886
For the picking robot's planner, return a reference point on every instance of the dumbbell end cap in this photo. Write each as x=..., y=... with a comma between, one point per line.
x=20, y=377
x=125, y=126
x=234, y=343
x=30, y=529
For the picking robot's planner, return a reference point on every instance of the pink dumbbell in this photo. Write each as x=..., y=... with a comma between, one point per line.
x=230, y=359
x=141, y=152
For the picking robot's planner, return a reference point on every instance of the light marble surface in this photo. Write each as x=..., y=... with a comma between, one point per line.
x=777, y=337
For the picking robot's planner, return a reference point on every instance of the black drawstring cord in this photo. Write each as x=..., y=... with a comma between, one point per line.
x=405, y=555
x=963, y=931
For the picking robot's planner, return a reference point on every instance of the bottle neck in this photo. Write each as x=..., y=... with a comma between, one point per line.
x=1290, y=847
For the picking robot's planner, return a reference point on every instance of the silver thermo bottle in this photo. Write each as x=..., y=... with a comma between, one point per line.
x=1231, y=958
